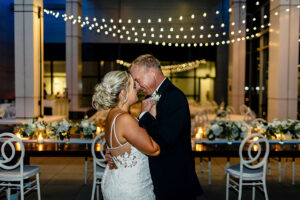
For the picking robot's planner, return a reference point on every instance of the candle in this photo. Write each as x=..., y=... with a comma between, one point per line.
x=40, y=139
x=98, y=147
x=98, y=130
x=199, y=134
x=18, y=135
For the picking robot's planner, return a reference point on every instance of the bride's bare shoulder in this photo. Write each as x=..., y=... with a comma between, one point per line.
x=127, y=118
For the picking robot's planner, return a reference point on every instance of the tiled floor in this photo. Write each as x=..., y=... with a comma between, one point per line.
x=63, y=178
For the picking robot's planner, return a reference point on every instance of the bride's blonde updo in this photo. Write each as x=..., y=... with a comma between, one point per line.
x=107, y=92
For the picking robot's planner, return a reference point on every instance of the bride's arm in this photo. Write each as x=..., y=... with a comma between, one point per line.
x=129, y=129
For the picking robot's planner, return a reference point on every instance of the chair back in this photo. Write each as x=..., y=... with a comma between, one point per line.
x=8, y=151
x=254, y=162
x=99, y=140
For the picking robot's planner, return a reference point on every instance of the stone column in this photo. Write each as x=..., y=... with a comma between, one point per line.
x=237, y=56
x=73, y=55
x=29, y=58
x=283, y=59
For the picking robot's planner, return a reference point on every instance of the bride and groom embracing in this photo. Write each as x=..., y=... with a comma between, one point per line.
x=150, y=158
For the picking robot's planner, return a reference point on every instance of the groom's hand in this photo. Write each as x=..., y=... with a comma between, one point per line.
x=110, y=161
x=147, y=105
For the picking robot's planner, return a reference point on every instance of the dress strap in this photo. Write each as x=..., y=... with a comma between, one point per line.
x=113, y=126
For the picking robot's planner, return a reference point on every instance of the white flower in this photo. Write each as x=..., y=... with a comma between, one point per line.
x=40, y=126
x=156, y=96
x=85, y=123
x=217, y=130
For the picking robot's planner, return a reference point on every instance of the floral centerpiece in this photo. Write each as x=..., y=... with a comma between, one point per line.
x=231, y=130
x=288, y=129
x=87, y=128
x=61, y=129
x=32, y=129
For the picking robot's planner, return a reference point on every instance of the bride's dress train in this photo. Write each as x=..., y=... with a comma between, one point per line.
x=132, y=179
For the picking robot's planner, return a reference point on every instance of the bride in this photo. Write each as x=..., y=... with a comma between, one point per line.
x=128, y=143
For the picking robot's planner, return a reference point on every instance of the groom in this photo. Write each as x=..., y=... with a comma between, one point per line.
x=173, y=171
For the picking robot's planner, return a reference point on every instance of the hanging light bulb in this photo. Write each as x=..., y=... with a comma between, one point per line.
x=159, y=20
x=217, y=12
x=192, y=16
x=138, y=21
x=201, y=27
x=180, y=18
x=181, y=29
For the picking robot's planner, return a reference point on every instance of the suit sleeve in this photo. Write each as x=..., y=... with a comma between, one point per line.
x=170, y=122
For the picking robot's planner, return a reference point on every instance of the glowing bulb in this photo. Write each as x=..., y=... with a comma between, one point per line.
x=204, y=14
x=201, y=27
x=229, y=10
x=209, y=35
x=149, y=21
x=201, y=36
x=212, y=26
x=138, y=21
x=217, y=12
x=152, y=29
x=192, y=28
x=232, y=23
x=192, y=16
x=222, y=25
x=171, y=29
x=161, y=29
x=180, y=18
x=276, y=13
x=217, y=35
x=129, y=21
x=257, y=3
x=159, y=20
x=254, y=19
x=181, y=29
x=170, y=19
x=243, y=7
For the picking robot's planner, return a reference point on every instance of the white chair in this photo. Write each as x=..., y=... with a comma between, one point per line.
x=99, y=164
x=250, y=171
x=12, y=176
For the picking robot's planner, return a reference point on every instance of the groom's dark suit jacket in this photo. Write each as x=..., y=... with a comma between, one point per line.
x=173, y=171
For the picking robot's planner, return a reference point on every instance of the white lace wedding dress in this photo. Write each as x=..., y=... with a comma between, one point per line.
x=132, y=179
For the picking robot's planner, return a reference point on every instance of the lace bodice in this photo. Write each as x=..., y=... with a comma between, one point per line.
x=133, y=173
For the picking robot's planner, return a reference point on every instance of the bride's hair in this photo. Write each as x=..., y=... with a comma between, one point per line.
x=107, y=92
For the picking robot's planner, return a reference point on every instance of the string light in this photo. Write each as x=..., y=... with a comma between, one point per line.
x=173, y=68
x=95, y=24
